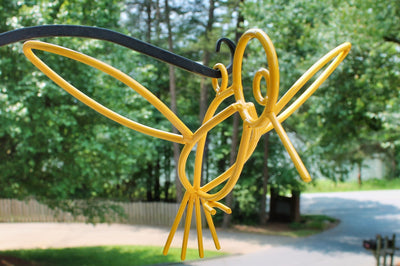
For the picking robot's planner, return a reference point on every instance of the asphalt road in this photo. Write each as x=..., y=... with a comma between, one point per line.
x=362, y=215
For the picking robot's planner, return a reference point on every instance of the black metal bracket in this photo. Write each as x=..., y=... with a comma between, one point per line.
x=120, y=39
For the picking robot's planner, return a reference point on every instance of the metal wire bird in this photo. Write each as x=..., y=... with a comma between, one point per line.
x=255, y=125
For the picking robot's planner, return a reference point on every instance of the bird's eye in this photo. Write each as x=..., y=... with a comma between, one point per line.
x=262, y=74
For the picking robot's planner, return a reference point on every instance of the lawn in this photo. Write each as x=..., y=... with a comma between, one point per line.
x=99, y=256
x=308, y=225
x=324, y=185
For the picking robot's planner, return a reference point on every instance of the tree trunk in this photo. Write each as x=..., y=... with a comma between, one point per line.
x=156, y=175
x=172, y=91
x=204, y=88
x=263, y=206
x=235, y=134
x=148, y=20
x=206, y=61
x=204, y=84
x=158, y=20
x=226, y=222
x=149, y=184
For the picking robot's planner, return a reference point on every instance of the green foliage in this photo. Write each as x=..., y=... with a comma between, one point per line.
x=57, y=150
x=44, y=152
x=326, y=185
x=105, y=255
x=346, y=119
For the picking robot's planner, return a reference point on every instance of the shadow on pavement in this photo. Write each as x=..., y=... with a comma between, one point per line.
x=360, y=220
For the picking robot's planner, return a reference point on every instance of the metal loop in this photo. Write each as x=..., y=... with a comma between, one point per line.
x=224, y=79
x=261, y=73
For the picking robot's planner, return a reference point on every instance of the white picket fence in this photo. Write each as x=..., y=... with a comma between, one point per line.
x=145, y=213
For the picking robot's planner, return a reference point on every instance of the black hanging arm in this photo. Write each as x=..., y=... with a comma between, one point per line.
x=118, y=38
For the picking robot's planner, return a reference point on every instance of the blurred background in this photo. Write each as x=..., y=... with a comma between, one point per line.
x=57, y=151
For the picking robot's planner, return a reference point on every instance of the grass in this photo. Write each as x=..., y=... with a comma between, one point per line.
x=102, y=255
x=314, y=223
x=308, y=225
x=324, y=185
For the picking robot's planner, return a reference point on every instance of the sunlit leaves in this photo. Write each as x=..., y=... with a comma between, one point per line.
x=347, y=111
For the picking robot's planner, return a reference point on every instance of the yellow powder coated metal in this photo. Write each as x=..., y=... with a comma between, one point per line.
x=254, y=125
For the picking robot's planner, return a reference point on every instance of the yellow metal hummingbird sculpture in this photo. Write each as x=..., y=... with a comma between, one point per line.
x=254, y=125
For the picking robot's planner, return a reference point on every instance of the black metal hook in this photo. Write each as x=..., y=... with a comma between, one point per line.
x=232, y=48
x=118, y=38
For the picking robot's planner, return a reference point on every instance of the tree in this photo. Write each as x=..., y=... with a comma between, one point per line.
x=172, y=89
x=46, y=135
x=353, y=103
x=367, y=83
x=235, y=125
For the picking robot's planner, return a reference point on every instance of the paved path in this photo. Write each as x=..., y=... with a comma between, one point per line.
x=362, y=215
